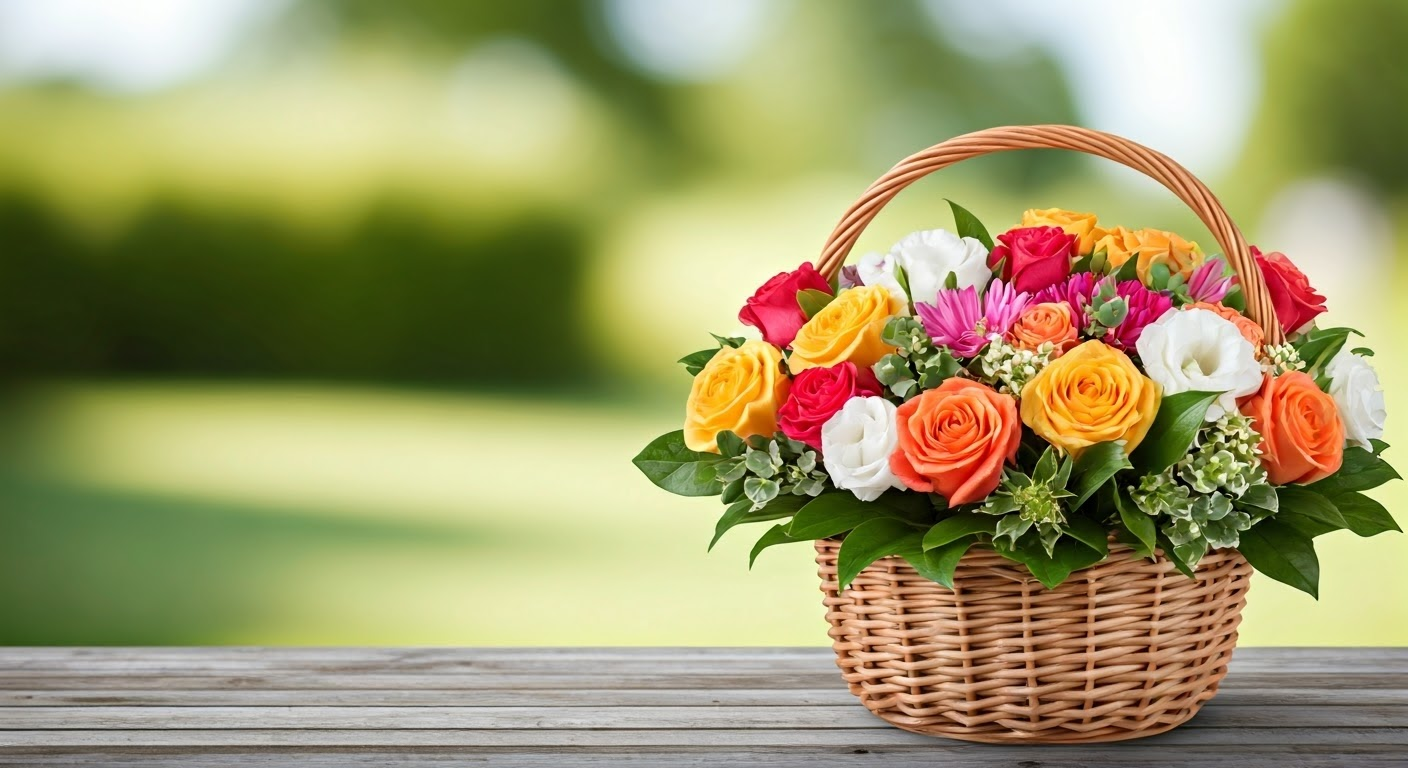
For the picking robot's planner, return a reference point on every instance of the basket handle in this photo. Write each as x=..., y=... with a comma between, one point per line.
x=1155, y=165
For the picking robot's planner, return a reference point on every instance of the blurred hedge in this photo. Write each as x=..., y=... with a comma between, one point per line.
x=187, y=292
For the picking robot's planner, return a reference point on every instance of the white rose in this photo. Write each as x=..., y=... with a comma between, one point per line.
x=1198, y=350
x=1355, y=387
x=856, y=444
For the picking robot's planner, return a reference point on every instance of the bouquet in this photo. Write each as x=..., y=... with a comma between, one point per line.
x=1064, y=388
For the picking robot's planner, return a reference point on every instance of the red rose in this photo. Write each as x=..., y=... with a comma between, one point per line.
x=817, y=394
x=773, y=308
x=1297, y=304
x=1034, y=257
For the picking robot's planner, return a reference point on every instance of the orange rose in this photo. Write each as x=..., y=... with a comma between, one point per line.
x=953, y=440
x=1302, y=436
x=1150, y=246
x=1042, y=323
x=1250, y=330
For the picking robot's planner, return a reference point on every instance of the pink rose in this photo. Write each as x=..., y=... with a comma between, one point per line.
x=1297, y=304
x=1034, y=257
x=817, y=394
x=773, y=308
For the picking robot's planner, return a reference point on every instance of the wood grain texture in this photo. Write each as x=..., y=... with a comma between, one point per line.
x=621, y=707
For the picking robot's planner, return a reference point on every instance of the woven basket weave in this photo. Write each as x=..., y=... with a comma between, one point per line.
x=1127, y=648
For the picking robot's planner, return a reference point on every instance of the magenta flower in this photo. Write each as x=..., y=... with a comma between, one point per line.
x=1075, y=291
x=964, y=322
x=1210, y=282
x=1144, y=307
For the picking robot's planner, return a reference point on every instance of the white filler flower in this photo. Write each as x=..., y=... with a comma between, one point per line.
x=1355, y=387
x=1194, y=350
x=928, y=258
x=856, y=444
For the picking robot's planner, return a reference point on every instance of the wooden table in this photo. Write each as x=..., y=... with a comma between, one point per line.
x=621, y=707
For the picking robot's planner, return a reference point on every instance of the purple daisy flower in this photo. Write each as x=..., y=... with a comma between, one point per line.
x=964, y=322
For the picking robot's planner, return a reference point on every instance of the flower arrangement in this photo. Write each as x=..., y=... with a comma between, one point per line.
x=1043, y=394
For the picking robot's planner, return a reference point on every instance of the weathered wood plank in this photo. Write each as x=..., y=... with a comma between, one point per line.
x=836, y=696
x=21, y=662
x=764, y=717
x=877, y=737
x=766, y=757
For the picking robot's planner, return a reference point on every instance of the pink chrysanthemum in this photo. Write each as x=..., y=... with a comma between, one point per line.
x=1210, y=282
x=1144, y=307
x=965, y=322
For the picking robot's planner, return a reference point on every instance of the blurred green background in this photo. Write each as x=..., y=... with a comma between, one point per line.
x=339, y=322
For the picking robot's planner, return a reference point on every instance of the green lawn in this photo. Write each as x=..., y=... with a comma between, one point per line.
x=211, y=513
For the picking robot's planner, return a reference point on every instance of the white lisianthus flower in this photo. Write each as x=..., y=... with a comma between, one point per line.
x=877, y=269
x=1355, y=387
x=1195, y=350
x=928, y=258
x=856, y=444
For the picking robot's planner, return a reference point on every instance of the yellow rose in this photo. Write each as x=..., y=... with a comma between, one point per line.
x=1081, y=225
x=1092, y=394
x=738, y=391
x=1153, y=246
x=846, y=330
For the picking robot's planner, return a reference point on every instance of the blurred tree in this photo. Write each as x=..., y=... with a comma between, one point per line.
x=1337, y=90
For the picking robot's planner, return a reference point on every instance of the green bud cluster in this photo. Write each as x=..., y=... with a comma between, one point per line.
x=917, y=364
x=1195, y=500
x=1106, y=310
x=1009, y=369
x=1032, y=503
x=1224, y=457
x=1282, y=358
x=780, y=467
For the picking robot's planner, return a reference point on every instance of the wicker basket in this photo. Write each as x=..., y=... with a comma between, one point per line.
x=1127, y=648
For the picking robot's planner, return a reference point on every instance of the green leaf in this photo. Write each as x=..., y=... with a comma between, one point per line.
x=774, y=536
x=733, y=491
x=1236, y=299
x=939, y=563
x=1096, y=465
x=1360, y=471
x=959, y=525
x=1283, y=553
x=1136, y=522
x=1179, y=418
x=967, y=225
x=1365, y=516
x=742, y=512
x=728, y=341
x=1129, y=270
x=1046, y=467
x=730, y=444
x=813, y=301
x=1318, y=345
x=694, y=362
x=871, y=541
x=1068, y=556
x=673, y=466
x=832, y=514
x=1171, y=552
x=1089, y=533
x=1261, y=496
x=902, y=277
x=1297, y=501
